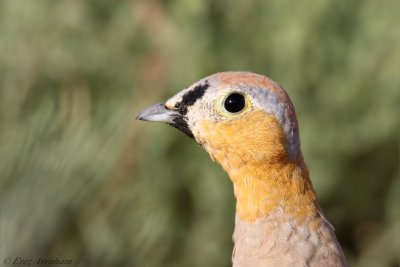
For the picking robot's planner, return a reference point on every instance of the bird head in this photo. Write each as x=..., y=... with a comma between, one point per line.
x=238, y=117
x=247, y=123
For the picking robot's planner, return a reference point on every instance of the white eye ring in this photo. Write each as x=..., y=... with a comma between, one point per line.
x=234, y=103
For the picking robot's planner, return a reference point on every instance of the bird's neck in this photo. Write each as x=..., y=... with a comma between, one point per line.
x=279, y=191
x=253, y=151
x=278, y=219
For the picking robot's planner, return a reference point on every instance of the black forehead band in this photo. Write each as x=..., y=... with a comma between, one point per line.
x=190, y=97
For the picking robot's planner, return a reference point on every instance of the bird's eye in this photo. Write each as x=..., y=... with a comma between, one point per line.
x=234, y=103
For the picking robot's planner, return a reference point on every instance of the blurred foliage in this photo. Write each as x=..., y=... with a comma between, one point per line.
x=81, y=180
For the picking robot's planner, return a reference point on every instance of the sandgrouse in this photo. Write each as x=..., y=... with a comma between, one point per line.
x=247, y=123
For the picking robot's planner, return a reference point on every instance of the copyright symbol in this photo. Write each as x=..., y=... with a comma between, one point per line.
x=7, y=261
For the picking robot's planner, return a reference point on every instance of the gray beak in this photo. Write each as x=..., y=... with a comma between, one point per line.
x=158, y=113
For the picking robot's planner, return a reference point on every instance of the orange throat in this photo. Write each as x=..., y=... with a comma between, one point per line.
x=266, y=183
x=279, y=191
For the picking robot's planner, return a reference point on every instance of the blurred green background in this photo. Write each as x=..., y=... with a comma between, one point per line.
x=82, y=180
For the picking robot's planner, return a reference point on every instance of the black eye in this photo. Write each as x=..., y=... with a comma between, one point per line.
x=234, y=103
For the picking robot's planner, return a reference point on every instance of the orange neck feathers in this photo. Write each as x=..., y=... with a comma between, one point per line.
x=272, y=187
x=252, y=151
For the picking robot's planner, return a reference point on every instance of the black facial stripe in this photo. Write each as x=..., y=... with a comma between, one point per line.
x=181, y=124
x=190, y=97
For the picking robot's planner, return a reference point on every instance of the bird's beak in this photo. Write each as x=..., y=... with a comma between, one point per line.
x=158, y=113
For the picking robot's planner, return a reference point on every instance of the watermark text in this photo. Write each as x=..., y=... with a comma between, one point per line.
x=13, y=261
